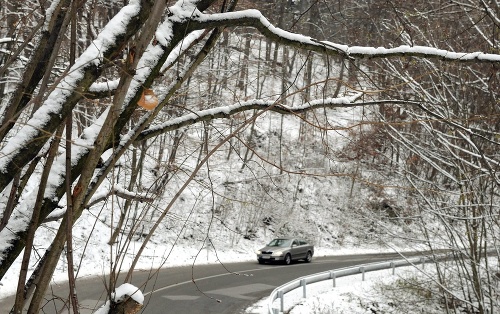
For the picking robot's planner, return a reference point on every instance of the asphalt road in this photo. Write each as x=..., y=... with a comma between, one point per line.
x=228, y=288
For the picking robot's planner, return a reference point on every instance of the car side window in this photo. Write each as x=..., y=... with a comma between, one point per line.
x=295, y=242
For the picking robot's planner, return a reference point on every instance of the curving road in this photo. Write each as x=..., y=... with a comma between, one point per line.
x=228, y=288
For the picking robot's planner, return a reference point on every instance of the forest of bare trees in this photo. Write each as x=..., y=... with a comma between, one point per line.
x=131, y=102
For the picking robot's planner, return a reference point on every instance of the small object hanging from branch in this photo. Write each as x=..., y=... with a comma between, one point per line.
x=148, y=100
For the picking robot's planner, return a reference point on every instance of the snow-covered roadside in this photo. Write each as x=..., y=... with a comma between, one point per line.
x=381, y=292
x=411, y=290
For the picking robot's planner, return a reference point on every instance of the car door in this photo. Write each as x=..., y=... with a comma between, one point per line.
x=297, y=250
x=303, y=248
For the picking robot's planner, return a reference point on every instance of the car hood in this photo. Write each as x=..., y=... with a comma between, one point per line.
x=273, y=248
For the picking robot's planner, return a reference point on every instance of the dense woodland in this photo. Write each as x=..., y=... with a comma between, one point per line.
x=133, y=106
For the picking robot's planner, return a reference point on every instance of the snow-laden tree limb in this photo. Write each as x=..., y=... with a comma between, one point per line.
x=28, y=141
x=105, y=89
x=256, y=104
x=107, y=46
x=120, y=191
x=255, y=19
x=11, y=237
x=114, y=189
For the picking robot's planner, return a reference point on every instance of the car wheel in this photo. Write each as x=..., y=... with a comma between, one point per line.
x=288, y=259
x=309, y=257
x=261, y=261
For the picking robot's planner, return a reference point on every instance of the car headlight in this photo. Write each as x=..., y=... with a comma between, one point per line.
x=278, y=253
x=258, y=252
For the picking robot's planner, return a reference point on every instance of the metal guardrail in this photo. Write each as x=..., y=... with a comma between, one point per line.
x=280, y=291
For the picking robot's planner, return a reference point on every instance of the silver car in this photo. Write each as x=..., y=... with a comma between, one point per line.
x=286, y=250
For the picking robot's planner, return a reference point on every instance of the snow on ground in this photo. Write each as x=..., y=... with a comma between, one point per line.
x=380, y=292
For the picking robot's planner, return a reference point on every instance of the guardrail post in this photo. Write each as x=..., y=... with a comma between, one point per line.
x=422, y=260
x=282, y=301
x=333, y=276
x=362, y=270
x=393, y=266
x=303, y=283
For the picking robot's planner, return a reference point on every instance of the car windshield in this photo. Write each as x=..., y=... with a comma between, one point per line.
x=280, y=242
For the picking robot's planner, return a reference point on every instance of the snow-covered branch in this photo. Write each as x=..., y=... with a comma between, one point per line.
x=103, y=195
x=255, y=19
x=256, y=104
x=7, y=40
x=28, y=141
x=120, y=192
